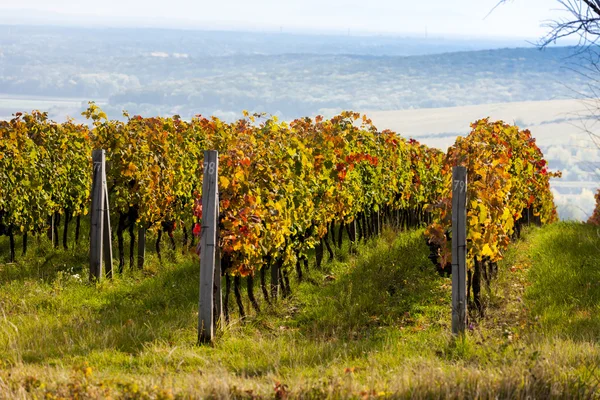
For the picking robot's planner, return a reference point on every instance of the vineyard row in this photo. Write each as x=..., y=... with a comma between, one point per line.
x=281, y=185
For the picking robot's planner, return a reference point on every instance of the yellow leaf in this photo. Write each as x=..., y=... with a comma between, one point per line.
x=487, y=251
x=278, y=207
x=509, y=221
x=475, y=235
x=510, y=224
x=239, y=175
x=223, y=182
x=482, y=213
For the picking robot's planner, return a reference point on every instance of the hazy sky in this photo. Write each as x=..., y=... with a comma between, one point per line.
x=518, y=18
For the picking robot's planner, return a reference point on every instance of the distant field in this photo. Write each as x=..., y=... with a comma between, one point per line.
x=552, y=122
x=58, y=107
x=558, y=126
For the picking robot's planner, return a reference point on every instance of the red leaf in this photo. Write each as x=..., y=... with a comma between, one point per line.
x=197, y=229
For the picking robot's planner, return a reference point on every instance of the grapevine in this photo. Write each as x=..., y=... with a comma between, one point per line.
x=283, y=186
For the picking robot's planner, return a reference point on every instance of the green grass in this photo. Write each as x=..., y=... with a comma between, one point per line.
x=566, y=292
x=374, y=324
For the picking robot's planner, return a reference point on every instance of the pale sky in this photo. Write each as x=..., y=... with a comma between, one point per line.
x=518, y=18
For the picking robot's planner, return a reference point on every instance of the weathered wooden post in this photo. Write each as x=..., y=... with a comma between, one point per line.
x=218, y=309
x=459, y=250
x=107, y=234
x=97, y=216
x=275, y=280
x=141, y=255
x=208, y=247
x=100, y=237
x=52, y=229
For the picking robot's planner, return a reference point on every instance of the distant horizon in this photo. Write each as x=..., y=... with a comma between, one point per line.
x=520, y=20
x=520, y=42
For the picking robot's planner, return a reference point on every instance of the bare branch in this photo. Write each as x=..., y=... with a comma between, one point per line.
x=583, y=20
x=594, y=6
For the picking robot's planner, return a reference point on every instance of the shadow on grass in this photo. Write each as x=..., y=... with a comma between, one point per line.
x=42, y=262
x=121, y=316
x=391, y=284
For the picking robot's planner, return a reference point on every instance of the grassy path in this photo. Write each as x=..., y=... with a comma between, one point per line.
x=375, y=324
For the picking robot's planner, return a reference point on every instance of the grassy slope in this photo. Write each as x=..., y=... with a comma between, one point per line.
x=375, y=324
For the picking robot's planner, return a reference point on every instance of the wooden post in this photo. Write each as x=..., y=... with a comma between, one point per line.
x=141, y=255
x=208, y=243
x=459, y=250
x=100, y=235
x=52, y=228
x=275, y=280
x=107, y=234
x=218, y=293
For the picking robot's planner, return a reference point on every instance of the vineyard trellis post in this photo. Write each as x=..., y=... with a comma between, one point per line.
x=141, y=255
x=100, y=235
x=218, y=293
x=52, y=238
x=459, y=250
x=274, y=280
x=210, y=271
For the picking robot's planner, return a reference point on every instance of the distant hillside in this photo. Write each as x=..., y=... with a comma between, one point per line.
x=191, y=72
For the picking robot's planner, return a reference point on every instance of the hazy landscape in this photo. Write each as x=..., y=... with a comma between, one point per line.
x=440, y=85
x=221, y=73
